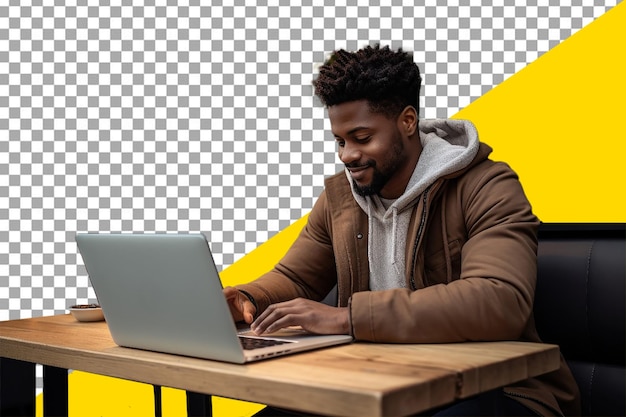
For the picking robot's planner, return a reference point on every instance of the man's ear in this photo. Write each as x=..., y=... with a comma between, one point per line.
x=407, y=121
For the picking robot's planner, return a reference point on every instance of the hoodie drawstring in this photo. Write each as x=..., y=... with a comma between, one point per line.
x=394, y=235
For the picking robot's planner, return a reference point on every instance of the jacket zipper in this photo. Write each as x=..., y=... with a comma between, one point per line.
x=420, y=230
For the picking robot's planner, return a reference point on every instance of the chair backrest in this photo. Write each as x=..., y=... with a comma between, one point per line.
x=580, y=305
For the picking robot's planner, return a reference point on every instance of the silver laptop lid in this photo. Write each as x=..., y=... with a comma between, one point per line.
x=161, y=292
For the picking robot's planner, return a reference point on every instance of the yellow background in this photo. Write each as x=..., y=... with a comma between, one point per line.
x=560, y=124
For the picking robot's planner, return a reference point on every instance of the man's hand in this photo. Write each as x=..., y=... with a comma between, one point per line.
x=241, y=307
x=310, y=315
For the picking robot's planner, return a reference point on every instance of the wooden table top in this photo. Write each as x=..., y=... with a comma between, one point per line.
x=355, y=379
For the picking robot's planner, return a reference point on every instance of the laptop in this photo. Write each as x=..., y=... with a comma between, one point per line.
x=162, y=292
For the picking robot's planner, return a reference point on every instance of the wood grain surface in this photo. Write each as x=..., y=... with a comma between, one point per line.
x=355, y=379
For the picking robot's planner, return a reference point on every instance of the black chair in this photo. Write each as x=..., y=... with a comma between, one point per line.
x=580, y=305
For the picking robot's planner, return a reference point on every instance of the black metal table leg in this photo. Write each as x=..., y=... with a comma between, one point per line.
x=157, y=401
x=55, y=391
x=199, y=405
x=17, y=388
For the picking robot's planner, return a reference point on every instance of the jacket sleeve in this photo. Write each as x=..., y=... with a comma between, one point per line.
x=493, y=296
x=307, y=269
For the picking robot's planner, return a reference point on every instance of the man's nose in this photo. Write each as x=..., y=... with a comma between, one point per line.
x=349, y=153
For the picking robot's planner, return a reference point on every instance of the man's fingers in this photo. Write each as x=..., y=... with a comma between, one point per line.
x=270, y=325
x=310, y=315
x=277, y=316
x=248, y=310
x=240, y=306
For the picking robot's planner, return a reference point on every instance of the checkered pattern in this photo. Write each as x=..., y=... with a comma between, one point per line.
x=184, y=116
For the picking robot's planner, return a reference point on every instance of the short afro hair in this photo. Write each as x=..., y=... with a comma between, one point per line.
x=389, y=80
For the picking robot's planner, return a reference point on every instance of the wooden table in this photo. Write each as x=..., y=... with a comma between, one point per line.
x=355, y=379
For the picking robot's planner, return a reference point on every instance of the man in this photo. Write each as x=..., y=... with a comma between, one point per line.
x=427, y=240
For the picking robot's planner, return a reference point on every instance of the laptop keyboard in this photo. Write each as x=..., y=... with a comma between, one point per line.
x=250, y=343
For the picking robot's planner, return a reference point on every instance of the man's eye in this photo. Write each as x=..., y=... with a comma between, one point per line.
x=363, y=139
x=341, y=143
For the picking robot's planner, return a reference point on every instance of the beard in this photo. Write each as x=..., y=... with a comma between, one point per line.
x=379, y=179
x=381, y=175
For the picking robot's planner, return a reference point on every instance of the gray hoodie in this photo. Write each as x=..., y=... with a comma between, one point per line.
x=448, y=146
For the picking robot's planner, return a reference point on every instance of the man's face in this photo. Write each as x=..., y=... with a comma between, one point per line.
x=372, y=148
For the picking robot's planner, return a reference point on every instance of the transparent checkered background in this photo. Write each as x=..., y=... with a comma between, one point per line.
x=178, y=116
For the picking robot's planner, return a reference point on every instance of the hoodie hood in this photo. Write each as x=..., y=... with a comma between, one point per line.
x=448, y=146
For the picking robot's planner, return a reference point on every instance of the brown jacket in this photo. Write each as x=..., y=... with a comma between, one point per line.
x=470, y=270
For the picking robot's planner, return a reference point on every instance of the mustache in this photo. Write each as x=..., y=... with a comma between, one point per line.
x=361, y=165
